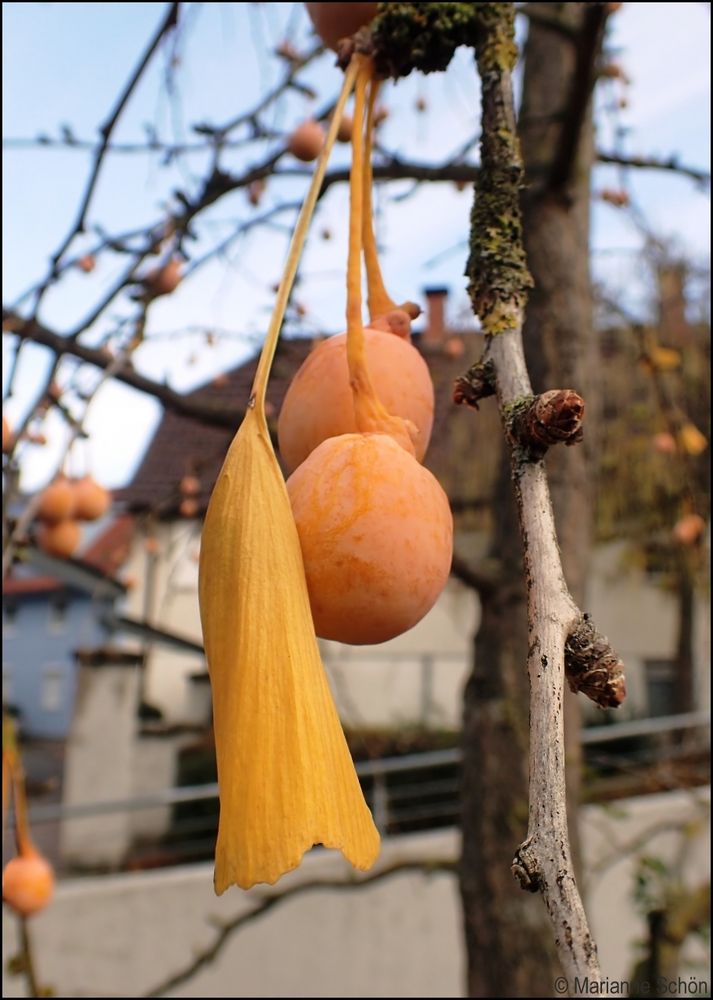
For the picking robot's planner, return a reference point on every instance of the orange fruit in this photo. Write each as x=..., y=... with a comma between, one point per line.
x=376, y=534
x=307, y=140
x=319, y=404
x=57, y=501
x=333, y=21
x=28, y=883
x=92, y=501
x=59, y=538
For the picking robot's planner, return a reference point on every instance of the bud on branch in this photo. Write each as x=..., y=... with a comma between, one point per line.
x=592, y=666
x=536, y=422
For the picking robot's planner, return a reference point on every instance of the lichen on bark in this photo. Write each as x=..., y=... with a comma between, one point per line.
x=497, y=268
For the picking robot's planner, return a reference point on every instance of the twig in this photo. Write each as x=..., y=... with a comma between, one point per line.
x=477, y=579
x=266, y=902
x=27, y=958
x=206, y=410
x=670, y=164
x=498, y=286
x=169, y=22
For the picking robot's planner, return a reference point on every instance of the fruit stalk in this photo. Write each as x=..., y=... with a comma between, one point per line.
x=379, y=300
x=257, y=397
x=370, y=413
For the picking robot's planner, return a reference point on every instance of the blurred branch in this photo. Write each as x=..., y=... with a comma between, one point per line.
x=670, y=164
x=206, y=410
x=463, y=570
x=169, y=22
x=267, y=902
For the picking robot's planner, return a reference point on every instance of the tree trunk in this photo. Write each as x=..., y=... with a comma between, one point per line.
x=508, y=938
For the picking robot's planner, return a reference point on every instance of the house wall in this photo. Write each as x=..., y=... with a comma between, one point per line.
x=39, y=666
x=417, y=678
x=401, y=937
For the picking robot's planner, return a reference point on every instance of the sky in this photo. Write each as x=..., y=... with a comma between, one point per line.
x=64, y=64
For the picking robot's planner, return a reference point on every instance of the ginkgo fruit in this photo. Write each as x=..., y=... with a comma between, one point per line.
x=376, y=533
x=57, y=501
x=307, y=140
x=91, y=500
x=689, y=528
x=164, y=280
x=319, y=403
x=60, y=538
x=333, y=21
x=28, y=882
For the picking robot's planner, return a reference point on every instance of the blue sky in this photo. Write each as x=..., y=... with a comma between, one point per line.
x=65, y=64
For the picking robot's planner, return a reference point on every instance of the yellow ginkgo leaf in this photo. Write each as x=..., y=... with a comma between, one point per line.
x=665, y=358
x=285, y=774
x=285, y=777
x=692, y=441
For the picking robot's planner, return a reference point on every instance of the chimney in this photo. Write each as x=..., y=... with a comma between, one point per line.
x=672, y=304
x=434, y=333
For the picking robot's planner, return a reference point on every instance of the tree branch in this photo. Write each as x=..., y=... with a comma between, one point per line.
x=266, y=902
x=206, y=410
x=498, y=285
x=477, y=579
x=169, y=22
x=670, y=164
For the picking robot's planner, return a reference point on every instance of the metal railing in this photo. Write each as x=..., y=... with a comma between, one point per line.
x=389, y=799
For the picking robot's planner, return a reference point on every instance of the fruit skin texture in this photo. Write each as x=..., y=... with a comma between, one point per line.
x=319, y=404
x=306, y=141
x=91, y=499
x=376, y=534
x=60, y=539
x=57, y=501
x=333, y=21
x=28, y=883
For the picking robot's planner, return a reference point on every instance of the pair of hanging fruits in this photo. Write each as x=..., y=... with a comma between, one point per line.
x=375, y=527
x=63, y=504
x=81, y=499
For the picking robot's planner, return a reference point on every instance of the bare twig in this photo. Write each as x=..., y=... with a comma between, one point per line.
x=267, y=902
x=206, y=410
x=670, y=164
x=169, y=22
x=498, y=286
x=477, y=579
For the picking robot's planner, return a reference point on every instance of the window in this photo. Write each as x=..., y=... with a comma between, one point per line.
x=660, y=686
x=58, y=616
x=52, y=688
x=9, y=614
x=6, y=684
